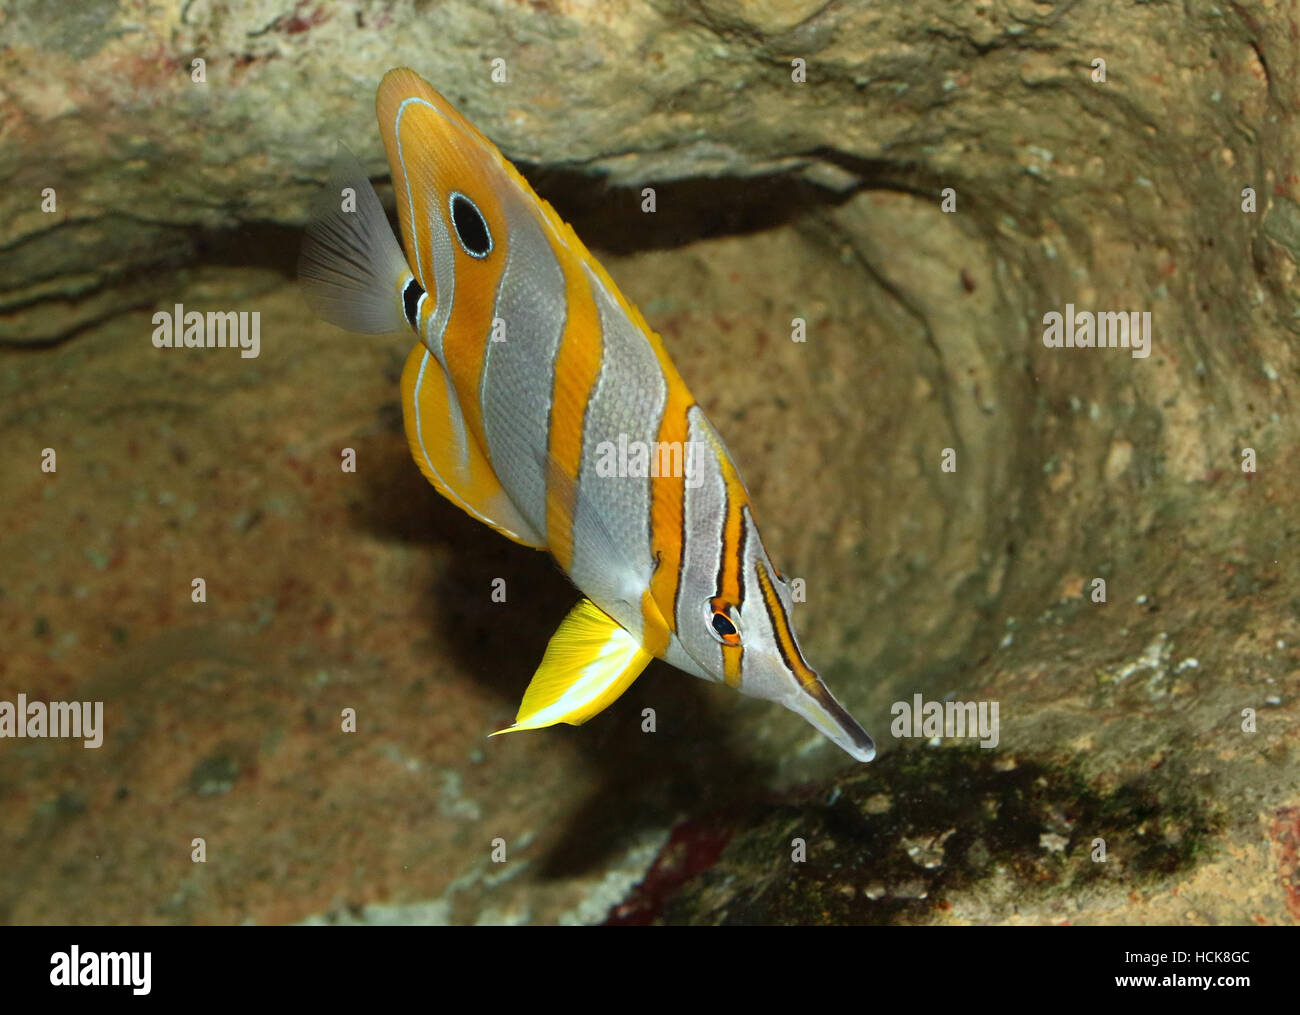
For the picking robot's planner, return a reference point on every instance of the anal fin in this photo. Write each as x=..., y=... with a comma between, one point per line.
x=448, y=456
x=590, y=661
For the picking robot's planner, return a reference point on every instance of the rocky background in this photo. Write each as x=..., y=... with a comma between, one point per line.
x=1169, y=187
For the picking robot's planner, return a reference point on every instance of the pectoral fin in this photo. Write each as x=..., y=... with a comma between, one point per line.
x=589, y=662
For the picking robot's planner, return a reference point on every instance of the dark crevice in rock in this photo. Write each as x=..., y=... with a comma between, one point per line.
x=608, y=219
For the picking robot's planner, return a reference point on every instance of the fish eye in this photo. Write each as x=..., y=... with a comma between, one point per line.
x=722, y=621
x=471, y=227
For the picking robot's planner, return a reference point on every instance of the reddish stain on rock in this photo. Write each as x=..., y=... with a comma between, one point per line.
x=1286, y=833
x=693, y=847
x=297, y=22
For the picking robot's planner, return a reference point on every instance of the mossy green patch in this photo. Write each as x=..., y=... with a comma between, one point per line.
x=892, y=843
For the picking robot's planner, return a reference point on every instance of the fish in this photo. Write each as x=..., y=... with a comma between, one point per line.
x=530, y=369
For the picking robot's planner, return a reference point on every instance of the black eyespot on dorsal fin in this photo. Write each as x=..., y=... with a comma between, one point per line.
x=470, y=225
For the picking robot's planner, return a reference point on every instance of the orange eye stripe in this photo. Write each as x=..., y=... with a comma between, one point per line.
x=721, y=608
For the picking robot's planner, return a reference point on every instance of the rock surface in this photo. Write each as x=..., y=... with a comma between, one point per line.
x=776, y=199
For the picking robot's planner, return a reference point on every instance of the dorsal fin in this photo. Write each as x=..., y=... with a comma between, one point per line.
x=449, y=457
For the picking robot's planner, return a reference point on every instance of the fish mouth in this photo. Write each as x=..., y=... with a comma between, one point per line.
x=815, y=703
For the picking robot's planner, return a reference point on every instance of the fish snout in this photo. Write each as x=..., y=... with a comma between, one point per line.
x=815, y=703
